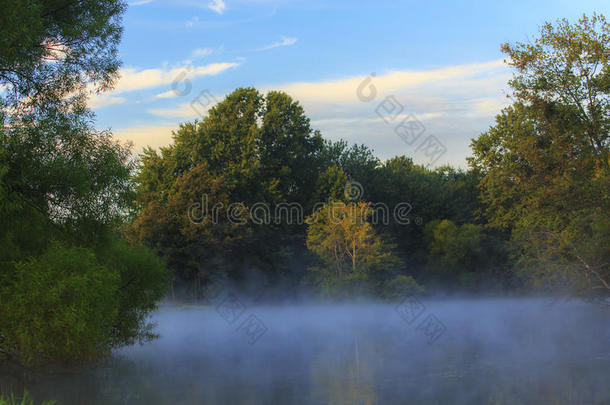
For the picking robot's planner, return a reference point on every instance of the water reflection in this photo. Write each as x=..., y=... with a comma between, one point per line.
x=493, y=352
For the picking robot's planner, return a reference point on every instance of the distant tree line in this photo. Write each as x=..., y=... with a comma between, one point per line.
x=260, y=149
x=531, y=212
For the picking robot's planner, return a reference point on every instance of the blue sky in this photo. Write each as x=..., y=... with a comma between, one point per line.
x=439, y=62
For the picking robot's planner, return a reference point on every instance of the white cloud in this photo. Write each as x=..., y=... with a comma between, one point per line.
x=167, y=94
x=344, y=90
x=132, y=79
x=217, y=6
x=104, y=100
x=192, y=21
x=284, y=42
x=201, y=53
x=140, y=2
x=454, y=103
x=141, y=137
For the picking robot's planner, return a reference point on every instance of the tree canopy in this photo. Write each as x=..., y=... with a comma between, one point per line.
x=72, y=289
x=544, y=165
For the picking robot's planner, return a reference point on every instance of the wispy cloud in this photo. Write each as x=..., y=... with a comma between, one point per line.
x=194, y=20
x=284, y=42
x=141, y=137
x=97, y=101
x=132, y=79
x=399, y=81
x=140, y=2
x=167, y=94
x=201, y=53
x=454, y=103
x=217, y=6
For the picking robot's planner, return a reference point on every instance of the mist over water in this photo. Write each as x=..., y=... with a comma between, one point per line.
x=490, y=351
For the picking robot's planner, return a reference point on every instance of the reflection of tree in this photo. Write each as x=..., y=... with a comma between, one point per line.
x=344, y=376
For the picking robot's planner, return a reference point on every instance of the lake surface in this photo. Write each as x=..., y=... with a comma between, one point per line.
x=482, y=351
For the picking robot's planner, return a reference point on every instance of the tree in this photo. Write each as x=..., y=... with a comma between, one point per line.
x=56, y=48
x=453, y=244
x=351, y=251
x=52, y=55
x=65, y=190
x=544, y=165
x=259, y=150
x=192, y=221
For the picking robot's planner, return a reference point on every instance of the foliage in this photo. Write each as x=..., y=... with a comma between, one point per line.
x=251, y=149
x=544, y=165
x=453, y=245
x=143, y=281
x=401, y=287
x=71, y=288
x=59, y=306
x=24, y=400
x=347, y=244
x=52, y=49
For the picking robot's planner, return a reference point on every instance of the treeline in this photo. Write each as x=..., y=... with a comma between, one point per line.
x=532, y=210
x=338, y=228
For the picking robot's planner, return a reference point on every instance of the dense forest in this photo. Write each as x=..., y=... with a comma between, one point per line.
x=93, y=236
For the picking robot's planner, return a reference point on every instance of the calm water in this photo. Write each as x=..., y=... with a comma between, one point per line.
x=518, y=351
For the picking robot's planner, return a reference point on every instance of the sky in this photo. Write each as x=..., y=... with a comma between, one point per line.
x=397, y=76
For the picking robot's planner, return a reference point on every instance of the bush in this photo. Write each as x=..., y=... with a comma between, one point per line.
x=144, y=280
x=59, y=306
x=70, y=304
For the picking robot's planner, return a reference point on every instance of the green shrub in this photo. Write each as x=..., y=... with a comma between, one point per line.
x=144, y=280
x=59, y=306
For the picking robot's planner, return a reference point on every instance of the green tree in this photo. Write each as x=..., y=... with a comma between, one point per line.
x=352, y=253
x=259, y=149
x=453, y=244
x=59, y=306
x=52, y=50
x=65, y=190
x=544, y=165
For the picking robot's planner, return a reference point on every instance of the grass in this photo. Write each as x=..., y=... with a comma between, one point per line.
x=25, y=400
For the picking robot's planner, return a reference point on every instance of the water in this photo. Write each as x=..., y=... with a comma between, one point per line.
x=504, y=351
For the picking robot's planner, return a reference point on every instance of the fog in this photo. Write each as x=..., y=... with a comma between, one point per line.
x=459, y=351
